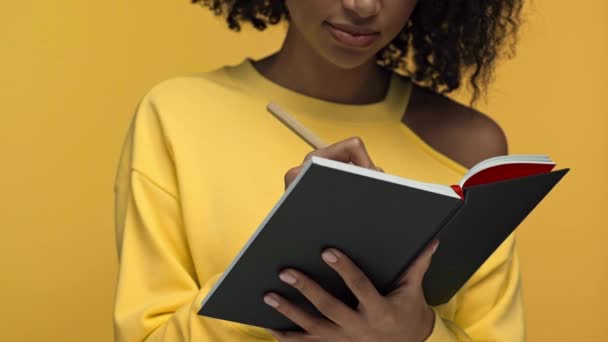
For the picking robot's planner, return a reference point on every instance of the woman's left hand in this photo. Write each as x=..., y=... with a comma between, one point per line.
x=402, y=315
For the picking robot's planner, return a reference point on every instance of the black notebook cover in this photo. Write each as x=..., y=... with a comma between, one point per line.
x=381, y=225
x=490, y=213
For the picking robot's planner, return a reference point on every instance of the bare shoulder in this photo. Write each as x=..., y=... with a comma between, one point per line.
x=461, y=133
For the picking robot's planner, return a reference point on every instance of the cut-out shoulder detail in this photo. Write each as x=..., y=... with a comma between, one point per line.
x=459, y=132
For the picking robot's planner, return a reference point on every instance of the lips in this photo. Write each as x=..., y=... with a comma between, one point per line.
x=352, y=35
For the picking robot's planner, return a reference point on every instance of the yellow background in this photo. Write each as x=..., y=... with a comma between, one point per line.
x=72, y=72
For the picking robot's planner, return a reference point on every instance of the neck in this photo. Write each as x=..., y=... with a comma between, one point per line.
x=297, y=67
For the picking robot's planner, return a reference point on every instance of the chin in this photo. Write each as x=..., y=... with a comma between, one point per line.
x=348, y=59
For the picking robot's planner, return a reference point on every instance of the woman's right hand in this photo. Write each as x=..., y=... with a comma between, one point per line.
x=347, y=151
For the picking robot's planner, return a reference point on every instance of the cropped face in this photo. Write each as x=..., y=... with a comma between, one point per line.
x=349, y=33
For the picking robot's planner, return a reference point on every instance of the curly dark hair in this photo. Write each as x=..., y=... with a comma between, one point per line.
x=442, y=44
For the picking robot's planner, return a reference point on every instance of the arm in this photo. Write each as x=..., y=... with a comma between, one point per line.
x=158, y=292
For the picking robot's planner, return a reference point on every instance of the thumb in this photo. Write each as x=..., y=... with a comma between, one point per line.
x=418, y=268
x=291, y=175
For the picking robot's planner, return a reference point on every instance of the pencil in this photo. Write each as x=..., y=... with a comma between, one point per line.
x=295, y=126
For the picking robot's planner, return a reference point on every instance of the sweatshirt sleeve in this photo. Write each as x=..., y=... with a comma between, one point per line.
x=158, y=293
x=490, y=305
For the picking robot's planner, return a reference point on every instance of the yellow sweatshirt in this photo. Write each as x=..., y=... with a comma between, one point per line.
x=203, y=163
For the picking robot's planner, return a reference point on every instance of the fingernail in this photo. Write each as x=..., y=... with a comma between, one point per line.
x=271, y=301
x=287, y=277
x=329, y=257
x=435, y=247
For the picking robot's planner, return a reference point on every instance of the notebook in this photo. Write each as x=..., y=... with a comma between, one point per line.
x=382, y=222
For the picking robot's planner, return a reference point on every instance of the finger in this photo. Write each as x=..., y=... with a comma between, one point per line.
x=415, y=273
x=291, y=174
x=347, y=151
x=355, y=279
x=313, y=325
x=278, y=335
x=327, y=304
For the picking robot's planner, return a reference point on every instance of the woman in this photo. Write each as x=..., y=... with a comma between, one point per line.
x=202, y=162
